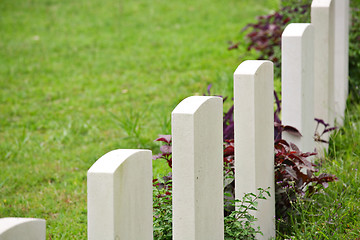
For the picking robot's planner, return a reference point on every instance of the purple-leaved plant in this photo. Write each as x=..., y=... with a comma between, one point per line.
x=295, y=176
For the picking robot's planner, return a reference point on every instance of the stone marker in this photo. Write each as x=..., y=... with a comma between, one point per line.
x=120, y=196
x=341, y=60
x=197, y=151
x=22, y=229
x=254, y=138
x=322, y=18
x=297, y=84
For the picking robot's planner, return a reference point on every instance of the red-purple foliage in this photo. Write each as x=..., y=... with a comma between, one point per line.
x=264, y=36
x=294, y=174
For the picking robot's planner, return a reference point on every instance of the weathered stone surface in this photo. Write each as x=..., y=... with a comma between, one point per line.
x=22, y=229
x=341, y=59
x=322, y=18
x=254, y=137
x=198, y=210
x=297, y=79
x=120, y=196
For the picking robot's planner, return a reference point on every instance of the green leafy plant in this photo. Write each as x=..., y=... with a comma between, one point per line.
x=162, y=207
x=295, y=176
x=239, y=224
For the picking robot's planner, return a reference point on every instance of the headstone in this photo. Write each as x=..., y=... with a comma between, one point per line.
x=297, y=84
x=322, y=18
x=120, y=196
x=254, y=138
x=22, y=229
x=197, y=152
x=341, y=60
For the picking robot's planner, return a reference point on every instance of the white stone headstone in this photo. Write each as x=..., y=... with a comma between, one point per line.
x=197, y=152
x=341, y=62
x=322, y=18
x=254, y=137
x=297, y=84
x=120, y=196
x=22, y=229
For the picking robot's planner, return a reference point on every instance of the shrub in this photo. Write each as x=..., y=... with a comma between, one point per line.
x=239, y=224
x=162, y=197
x=295, y=176
x=264, y=36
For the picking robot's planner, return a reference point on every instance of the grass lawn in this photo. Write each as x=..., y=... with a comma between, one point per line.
x=334, y=213
x=81, y=78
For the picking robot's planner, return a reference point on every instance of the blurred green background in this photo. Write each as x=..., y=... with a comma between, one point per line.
x=81, y=78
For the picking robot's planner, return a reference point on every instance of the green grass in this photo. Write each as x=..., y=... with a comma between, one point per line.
x=74, y=75
x=81, y=78
x=334, y=212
